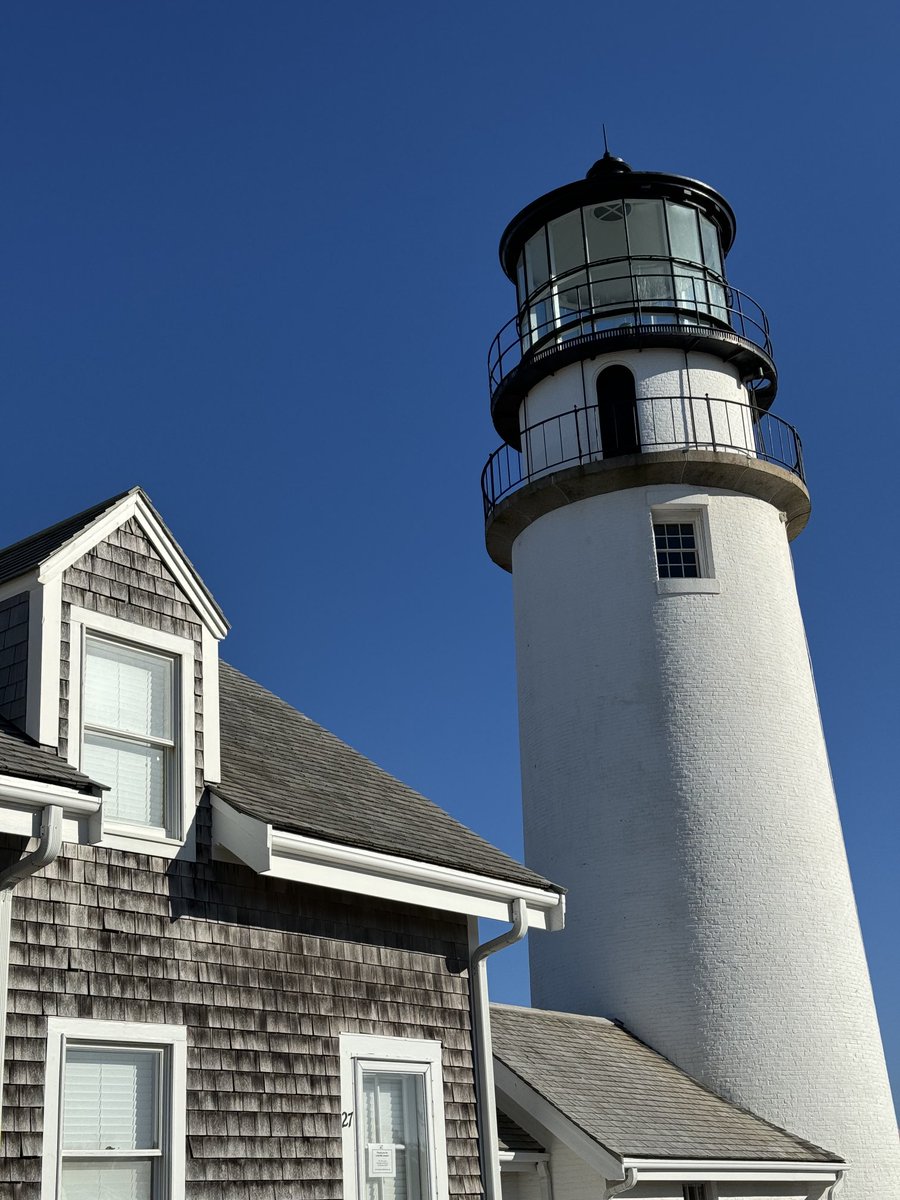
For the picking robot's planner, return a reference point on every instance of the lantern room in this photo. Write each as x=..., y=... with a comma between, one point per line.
x=622, y=259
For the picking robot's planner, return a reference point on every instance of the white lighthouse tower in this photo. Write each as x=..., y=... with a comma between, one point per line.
x=674, y=770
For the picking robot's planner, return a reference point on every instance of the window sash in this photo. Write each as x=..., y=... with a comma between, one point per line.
x=418, y=1180
x=163, y=703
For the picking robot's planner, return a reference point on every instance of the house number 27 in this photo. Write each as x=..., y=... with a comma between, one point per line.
x=346, y=1120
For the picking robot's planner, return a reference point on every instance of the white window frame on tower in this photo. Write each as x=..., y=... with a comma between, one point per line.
x=684, y=510
x=177, y=838
x=171, y=1042
x=362, y=1052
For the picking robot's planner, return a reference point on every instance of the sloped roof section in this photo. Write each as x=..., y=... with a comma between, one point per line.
x=284, y=769
x=31, y=551
x=512, y=1138
x=25, y=759
x=628, y=1098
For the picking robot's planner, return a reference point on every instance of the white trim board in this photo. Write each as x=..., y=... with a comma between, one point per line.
x=135, y=505
x=172, y=1037
x=371, y=873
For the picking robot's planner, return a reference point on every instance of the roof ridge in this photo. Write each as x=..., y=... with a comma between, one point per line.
x=558, y=1012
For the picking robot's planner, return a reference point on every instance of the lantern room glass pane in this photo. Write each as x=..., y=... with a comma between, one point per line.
x=712, y=253
x=566, y=243
x=605, y=228
x=647, y=228
x=537, y=269
x=684, y=233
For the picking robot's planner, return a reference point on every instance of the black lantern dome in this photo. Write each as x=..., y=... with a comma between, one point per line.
x=622, y=259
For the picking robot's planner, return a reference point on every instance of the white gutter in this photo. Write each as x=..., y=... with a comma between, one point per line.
x=631, y=1178
x=488, y=1141
x=673, y=1170
x=312, y=860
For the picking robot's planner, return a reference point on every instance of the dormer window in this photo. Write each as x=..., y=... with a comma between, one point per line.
x=129, y=731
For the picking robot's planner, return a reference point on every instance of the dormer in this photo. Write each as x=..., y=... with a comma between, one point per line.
x=109, y=657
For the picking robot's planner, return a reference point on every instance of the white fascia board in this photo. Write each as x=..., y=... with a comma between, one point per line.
x=693, y=1170
x=539, y=1117
x=21, y=802
x=371, y=873
x=133, y=505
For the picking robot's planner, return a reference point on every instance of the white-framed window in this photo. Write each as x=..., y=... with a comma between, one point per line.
x=682, y=546
x=128, y=730
x=131, y=727
x=114, y=1111
x=392, y=1119
x=677, y=549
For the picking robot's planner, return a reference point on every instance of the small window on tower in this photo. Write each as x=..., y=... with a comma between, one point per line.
x=677, y=552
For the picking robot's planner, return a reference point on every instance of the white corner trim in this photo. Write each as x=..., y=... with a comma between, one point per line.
x=212, y=757
x=529, y=1109
x=133, y=505
x=44, y=639
x=371, y=873
x=172, y=1037
x=411, y=1053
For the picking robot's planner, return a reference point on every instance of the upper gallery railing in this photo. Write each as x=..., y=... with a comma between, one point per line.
x=615, y=294
x=648, y=424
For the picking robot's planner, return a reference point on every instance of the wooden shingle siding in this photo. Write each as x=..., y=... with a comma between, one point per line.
x=13, y=657
x=124, y=577
x=265, y=974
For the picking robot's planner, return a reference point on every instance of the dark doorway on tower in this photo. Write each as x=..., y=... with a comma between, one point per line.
x=617, y=412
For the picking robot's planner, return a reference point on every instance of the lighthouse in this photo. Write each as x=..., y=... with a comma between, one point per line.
x=674, y=770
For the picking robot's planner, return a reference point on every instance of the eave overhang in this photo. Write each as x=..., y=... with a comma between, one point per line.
x=540, y=1116
x=23, y=800
x=282, y=855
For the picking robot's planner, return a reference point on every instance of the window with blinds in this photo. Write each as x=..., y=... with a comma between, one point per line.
x=111, y=1137
x=129, y=730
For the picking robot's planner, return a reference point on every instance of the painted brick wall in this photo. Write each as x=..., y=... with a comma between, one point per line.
x=675, y=778
x=265, y=974
x=13, y=657
x=124, y=577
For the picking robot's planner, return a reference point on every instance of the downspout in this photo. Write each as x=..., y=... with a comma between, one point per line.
x=625, y=1186
x=484, y=1059
x=48, y=847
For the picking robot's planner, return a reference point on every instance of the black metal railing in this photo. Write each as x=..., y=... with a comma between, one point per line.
x=602, y=297
x=654, y=423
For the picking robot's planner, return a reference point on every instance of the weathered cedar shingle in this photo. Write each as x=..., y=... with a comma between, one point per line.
x=264, y=997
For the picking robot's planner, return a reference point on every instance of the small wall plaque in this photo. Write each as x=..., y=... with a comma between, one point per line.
x=382, y=1161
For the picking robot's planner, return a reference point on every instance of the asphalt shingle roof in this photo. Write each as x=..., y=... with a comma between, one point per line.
x=31, y=551
x=513, y=1137
x=23, y=758
x=283, y=768
x=627, y=1097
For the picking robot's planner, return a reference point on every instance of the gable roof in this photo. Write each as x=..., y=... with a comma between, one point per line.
x=285, y=770
x=23, y=758
x=629, y=1099
x=58, y=546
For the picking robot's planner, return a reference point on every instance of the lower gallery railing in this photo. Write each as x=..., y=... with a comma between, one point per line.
x=648, y=424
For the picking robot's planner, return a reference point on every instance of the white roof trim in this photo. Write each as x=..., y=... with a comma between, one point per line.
x=21, y=800
x=539, y=1117
x=370, y=873
x=134, y=505
x=690, y=1170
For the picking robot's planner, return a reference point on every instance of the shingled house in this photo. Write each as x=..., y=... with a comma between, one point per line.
x=237, y=965
x=238, y=961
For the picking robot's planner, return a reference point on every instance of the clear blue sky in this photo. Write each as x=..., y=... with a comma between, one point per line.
x=250, y=263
